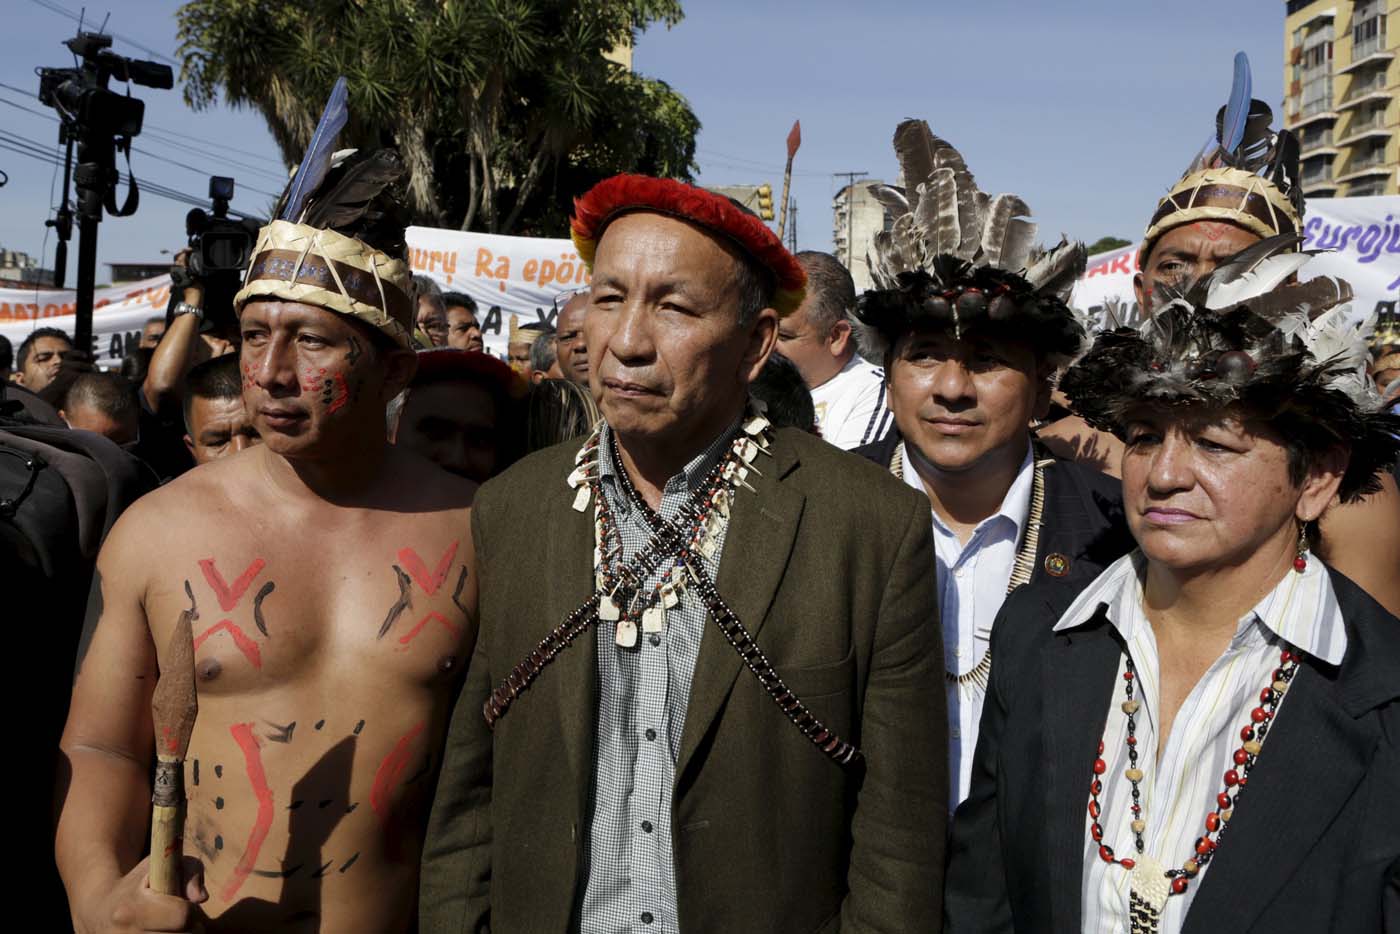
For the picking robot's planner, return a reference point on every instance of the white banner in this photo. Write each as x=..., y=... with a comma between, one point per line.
x=118, y=314
x=1362, y=233
x=522, y=275
x=506, y=275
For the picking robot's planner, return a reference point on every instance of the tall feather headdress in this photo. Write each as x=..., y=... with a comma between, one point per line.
x=338, y=240
x=959, y=258
x=1246, y=174
x=1249, y=335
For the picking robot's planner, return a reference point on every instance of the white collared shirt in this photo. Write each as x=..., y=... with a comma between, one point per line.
x=851, y=405
x=1179, y=788
x=972, y=582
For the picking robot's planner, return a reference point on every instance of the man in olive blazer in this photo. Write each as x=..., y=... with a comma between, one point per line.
x=828, y=563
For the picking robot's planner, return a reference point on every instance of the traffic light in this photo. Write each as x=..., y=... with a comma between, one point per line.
x=765, y=201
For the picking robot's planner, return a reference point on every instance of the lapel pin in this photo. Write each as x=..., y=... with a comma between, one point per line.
x=1056, y=564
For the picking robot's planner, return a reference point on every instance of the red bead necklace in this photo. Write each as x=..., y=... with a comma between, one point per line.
x=1235, y=778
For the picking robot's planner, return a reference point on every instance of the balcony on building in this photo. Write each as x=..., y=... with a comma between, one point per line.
x=1323, y=14
x=1369, y=89
x=1365, y=165
x=1316, y=143
x=1376, y=58
x=1370, y=126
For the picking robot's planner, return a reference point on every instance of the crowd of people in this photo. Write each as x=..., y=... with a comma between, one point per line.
x=734, y=600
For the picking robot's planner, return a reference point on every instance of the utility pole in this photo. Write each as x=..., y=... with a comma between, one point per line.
x=850, y=178
x=792, y=230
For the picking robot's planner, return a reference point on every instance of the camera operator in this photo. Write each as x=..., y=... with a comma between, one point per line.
x=186, y=342
x=195, y=332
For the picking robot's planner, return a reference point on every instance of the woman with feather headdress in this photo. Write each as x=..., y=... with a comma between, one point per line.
x=1219, y=676
x=973, y=328
x=1244, y=186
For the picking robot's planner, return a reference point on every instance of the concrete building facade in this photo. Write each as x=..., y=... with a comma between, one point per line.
x=856, y=218
x=1342, y=94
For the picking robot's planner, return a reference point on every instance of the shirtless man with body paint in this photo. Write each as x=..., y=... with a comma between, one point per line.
x=330, y=575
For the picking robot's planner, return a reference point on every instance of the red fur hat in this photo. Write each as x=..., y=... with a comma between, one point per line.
x=620, y=194
x=446, y=363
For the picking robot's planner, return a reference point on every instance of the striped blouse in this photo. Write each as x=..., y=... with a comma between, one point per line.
x=1179, y=787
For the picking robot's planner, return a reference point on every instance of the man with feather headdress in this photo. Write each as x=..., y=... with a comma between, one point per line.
x=1222, y=674
x=974, y=328
x=325, y=572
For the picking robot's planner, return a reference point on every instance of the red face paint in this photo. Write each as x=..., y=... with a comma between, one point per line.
x=229, y=595
x=341, y=395
x=247, y=646
x=1212, y=231
x=252, y=757
x=386, y=777
x=414, y=565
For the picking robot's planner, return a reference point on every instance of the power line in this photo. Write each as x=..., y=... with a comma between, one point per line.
x=36, y=151
x=199, y=170
x=179, y=139
x=61, y=10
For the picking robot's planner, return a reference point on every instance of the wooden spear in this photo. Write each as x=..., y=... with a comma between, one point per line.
x=174, y=706
x=793, y=141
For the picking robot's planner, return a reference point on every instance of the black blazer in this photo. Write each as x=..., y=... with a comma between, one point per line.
x=1313, y=847
x=1082, y=523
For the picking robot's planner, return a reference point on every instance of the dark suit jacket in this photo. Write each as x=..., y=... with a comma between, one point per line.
x=829, y=568
x=1314, y=845
x=1082, y=521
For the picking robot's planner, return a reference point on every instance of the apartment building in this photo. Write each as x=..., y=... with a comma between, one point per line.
x=1342, y=94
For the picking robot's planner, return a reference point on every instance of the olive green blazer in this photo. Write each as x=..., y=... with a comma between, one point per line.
x=830, y=566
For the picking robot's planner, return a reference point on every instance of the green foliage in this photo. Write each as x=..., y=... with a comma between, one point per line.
x=502, y=109
x=1105, y=244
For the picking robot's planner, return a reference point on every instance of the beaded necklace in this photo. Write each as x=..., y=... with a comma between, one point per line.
x=698, y=526
x=1151, y=884
x=1021, y=570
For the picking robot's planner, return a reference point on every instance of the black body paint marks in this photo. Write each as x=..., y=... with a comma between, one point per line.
x=457, y=594
x=353, y=354
x=404, y=601
x=282, y=734
x=350, y=862
x=277, y=873
x=194, y=769
x=258, y=619
x=358, y=727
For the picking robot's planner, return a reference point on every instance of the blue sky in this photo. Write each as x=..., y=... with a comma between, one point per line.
x=1089, y=110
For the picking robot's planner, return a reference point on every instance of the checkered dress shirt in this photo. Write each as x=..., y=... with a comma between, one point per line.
x=643, y=693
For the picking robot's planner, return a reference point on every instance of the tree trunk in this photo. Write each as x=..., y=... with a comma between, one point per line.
x=413, y=145
x=473, y=192
x=527, y=186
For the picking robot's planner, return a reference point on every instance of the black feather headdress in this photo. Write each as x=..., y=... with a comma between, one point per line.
x=338, y=240
x=1248, y=335
x=958, y=258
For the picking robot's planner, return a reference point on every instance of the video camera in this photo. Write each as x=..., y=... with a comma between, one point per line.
x=218, y=243
x=97, y=123
x=81, y=94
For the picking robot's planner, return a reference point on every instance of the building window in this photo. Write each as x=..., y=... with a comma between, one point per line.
x=1367, y=30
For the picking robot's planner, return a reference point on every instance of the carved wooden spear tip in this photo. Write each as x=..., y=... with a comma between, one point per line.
x=174, y=707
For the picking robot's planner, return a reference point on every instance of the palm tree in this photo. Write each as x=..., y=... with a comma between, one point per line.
x=482, y=98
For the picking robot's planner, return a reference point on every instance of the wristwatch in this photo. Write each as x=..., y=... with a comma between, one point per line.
x=185, y=308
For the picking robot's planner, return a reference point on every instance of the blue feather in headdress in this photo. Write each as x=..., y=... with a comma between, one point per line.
x=317, y=160
x=1237, y=110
